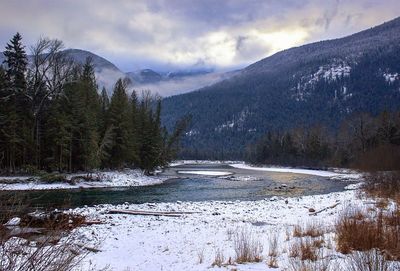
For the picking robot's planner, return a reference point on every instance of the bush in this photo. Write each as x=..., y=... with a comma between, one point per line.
x=52, y=178
x=247, y=247
x=311, y=230
x=357, y=231
x=371, y=260
x=383, y=185
x=54, y=249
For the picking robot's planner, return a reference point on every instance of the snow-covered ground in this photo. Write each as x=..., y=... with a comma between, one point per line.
x=205, y=172
x=202, y=162
x=130, y=177
x=122, y=178
x=192, y=241
x=323, y=173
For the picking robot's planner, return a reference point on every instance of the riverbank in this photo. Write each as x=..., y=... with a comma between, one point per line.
x=209, y=235
x=129, y=177
x=100, y=179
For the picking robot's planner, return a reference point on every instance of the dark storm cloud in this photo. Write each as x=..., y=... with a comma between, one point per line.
x=165, y=34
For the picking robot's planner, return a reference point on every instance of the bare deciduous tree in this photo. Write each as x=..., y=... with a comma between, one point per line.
x=49, y=71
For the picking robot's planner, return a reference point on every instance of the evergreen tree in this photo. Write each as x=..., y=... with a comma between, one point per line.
x=119, y=117
x=16, y=125
x=58, y=135
x=16, y=61
x=91, y=104
x=135, y=126
x=148, y=150
x=105, y=104
x=56, y=120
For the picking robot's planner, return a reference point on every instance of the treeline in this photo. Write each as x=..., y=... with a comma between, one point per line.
x=52, y=117
x=362, y=141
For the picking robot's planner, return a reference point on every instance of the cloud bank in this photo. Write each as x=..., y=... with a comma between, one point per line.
x=171, y=34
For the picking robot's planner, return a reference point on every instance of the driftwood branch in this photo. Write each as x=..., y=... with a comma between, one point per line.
x=324, y=209
x=91, y=249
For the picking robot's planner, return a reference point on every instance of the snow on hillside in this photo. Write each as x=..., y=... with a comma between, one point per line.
x=331, y=72
x=391, y=77
x=237, y=121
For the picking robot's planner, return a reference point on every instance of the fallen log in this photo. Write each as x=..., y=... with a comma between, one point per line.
x=324, y=209
x=21, y=232
x=93, y=222
x=135, y=212
x=91, y=249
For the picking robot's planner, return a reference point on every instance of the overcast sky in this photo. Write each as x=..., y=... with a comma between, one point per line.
x=170, y=34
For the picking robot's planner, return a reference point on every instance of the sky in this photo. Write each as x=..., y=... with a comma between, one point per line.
x=188, y=34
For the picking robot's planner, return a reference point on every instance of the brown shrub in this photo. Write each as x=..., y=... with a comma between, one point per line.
x=219, y=258
x=383, y=185
x=47, y=253
x=247, y=247
x=304, y=249
x=363, y=233
x=311, y=230
x=273, y=262
x=370, y=260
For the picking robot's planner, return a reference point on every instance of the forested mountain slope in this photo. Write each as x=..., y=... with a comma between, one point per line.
x=322, y=82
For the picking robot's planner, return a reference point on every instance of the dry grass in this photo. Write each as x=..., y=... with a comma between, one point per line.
x=372, y=238
x=273, y=245
x=273, y=250
x=311, y=230
x=200, y=256
x=383, y=185
x=247, y=247
x=370, y=260
x=304, y=249
x=296, y=264
x=219, y=258
x=47, y=253
x=273, y=262
x=363, y=233
x=307, y=254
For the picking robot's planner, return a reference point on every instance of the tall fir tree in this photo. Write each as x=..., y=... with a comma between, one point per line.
x=119, y=117
x=17, y=124
x=91, y=103
x=16, y=61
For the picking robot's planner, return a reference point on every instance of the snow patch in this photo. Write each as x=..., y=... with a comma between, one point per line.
x=124, y=178
x=237, y=121
x=322, y=173
x=391, y=77
x=332, y=72
x=176, y=243
x=205, y=172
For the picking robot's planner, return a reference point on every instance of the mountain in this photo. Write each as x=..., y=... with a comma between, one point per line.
x=145, y=76
x=322, y=82
x=163, y=83
x=175, y=82
x=106, y=72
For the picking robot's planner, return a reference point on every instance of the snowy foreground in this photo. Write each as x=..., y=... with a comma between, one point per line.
x=208, y=232
x=192, y=241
